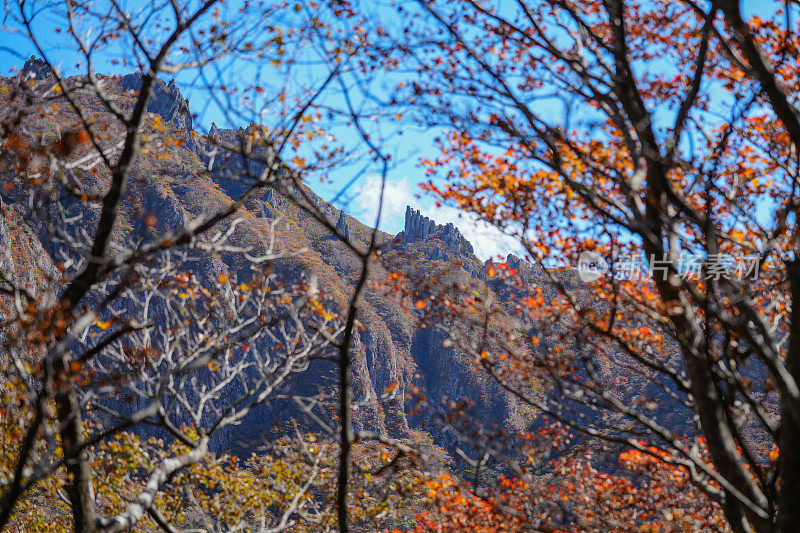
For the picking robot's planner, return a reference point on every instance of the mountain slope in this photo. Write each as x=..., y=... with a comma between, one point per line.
x=181, y=176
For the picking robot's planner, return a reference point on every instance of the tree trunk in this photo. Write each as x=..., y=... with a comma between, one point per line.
x=79, y=479
x=789, y=440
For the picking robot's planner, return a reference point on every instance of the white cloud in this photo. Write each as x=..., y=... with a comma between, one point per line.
x=487, y=240
x=364, y=200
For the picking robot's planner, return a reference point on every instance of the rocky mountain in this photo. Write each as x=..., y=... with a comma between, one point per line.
x=391, y=352
x=34, y=69
x=166, y=101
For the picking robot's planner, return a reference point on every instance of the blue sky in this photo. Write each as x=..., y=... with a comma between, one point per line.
x=358, y=197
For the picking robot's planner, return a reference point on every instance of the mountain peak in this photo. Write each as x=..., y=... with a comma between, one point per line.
x=342, y=226
x=166, y=100
x=35, y=69
x=418, y=227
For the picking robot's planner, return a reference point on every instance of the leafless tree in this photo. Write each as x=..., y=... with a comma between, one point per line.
x=150, y=329
x=566, y=135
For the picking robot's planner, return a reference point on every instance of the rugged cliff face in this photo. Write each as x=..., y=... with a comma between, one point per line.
x=444, y=242
x=391, y=352
x=166, y=101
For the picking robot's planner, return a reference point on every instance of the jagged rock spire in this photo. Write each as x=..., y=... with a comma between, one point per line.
x=35, y=69
x=528, y=271
x=342, y=226
x=166, y=100
x=419, y=227
x=514, y=262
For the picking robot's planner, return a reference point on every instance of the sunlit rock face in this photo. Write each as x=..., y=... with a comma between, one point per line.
x=419, y=227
